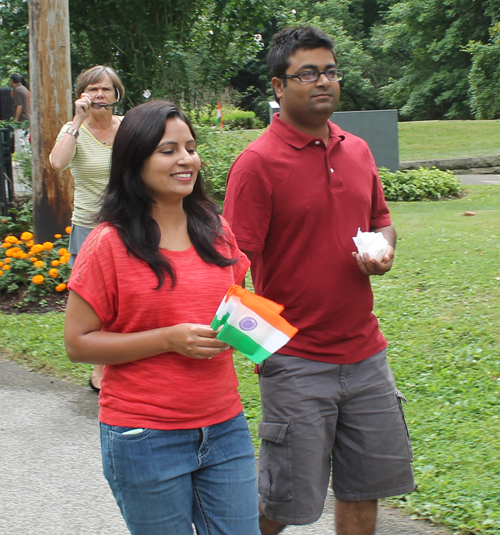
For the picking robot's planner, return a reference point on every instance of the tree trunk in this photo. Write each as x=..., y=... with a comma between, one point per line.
x=51, y=101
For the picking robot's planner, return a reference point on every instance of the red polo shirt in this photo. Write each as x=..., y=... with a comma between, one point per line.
x=296, y=204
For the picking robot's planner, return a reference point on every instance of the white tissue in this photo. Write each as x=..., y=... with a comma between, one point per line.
x=372, y=243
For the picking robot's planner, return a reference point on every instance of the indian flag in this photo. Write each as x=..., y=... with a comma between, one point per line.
x=220, y=120
x=252, y=324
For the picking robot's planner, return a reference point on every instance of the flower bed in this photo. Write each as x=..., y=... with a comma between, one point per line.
x=34, y=270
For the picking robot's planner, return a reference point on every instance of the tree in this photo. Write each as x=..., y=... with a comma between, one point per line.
x=14, y=38
x=427, y=39
x=484, y=77
x=183, y=50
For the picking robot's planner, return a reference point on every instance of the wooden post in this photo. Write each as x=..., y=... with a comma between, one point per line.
x=51, y=106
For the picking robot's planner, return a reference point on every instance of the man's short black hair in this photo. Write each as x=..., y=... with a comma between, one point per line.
x=287, y=41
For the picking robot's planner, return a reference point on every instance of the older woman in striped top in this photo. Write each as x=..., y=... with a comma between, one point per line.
x=84, y=145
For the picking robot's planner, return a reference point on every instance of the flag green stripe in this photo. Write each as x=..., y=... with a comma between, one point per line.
x=243, y=343
x=216, y=322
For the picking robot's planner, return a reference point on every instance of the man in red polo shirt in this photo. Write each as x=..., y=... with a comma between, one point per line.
x=295, y=199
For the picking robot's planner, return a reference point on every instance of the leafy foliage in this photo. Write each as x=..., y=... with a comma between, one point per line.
x=432, y=59
x=19, y=220
x=428, y=39
x=419, y=184
x=234, y=119
x=218, y=150
x=14, y=39
x=183, y=51
x=484, y=80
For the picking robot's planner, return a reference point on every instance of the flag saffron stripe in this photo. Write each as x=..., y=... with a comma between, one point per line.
x=251, y=301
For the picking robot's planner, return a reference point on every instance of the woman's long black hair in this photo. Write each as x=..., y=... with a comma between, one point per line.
x=128, y=207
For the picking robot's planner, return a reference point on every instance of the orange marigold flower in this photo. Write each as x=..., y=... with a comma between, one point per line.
x=61, y=287
x=64, y=259
x=25, y=236
x=37, y=279
x=30, y=243
x=62, y=252
x=10, y=239
x=6, y=245
x=39, y=264
x=6, y=268
x=10, y=252
x=33, y=259
x=1, y=272
x=37, y=248
x=22, y=255
x=7, y=261
x=48, y=245
x=68, y=230
x=57, y=236
x=53, y=273
x=55, y=263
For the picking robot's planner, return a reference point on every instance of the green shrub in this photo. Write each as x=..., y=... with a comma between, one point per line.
x=19, y=220
x=234, y=119
x=218, y=150
x=241, y=120
x=418, y=184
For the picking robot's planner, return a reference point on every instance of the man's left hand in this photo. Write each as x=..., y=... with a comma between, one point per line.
x=370, y=266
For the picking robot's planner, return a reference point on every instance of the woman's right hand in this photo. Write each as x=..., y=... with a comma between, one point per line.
x=82, y=106
x=194, y=341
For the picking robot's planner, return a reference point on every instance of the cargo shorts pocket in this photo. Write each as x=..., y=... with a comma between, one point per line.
x=275, y=461
x=401, y=399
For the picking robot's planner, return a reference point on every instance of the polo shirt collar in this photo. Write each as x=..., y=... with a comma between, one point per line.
x=298, y=139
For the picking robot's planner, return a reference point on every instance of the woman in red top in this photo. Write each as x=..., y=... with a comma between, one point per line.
x=146, y=284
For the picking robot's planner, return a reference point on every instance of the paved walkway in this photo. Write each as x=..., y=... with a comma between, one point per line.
x=50, y=473
x=479, y=179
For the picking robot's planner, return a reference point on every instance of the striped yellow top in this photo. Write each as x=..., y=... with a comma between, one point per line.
x=90, y=168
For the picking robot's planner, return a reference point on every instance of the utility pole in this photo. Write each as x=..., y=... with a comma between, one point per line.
x=51, y=106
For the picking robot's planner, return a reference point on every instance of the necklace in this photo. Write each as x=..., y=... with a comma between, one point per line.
x=97, y=137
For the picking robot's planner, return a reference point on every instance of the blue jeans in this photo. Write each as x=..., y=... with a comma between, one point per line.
x=166, y=481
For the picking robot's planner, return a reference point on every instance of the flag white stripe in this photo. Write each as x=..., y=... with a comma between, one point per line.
x=264, y=334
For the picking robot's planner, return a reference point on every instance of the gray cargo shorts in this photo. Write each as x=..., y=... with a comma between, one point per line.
x=322, y=419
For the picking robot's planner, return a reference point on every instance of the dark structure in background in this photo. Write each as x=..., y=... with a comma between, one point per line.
x=379, y=128
x=6, y=149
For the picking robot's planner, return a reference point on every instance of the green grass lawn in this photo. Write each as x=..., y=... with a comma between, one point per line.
x=440, y=310
x=427, y=140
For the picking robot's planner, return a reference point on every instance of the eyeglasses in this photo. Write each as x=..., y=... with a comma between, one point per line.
x=98, y=105
x=313, y=76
